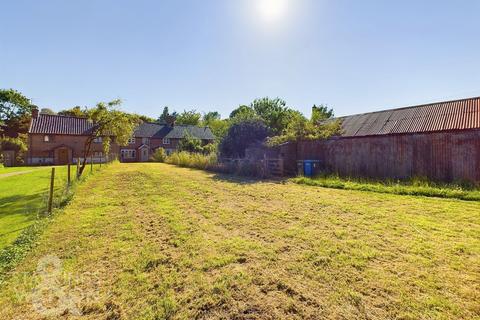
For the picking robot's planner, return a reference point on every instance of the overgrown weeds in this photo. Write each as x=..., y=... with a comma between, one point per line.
x=210, y=163
x=417, y=186
x=192, y=160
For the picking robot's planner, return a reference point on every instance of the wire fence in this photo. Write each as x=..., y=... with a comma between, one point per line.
x=64, y=179
x=29, y=198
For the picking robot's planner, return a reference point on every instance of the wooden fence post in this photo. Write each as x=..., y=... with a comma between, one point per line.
x=281, y=167
x=68, y=174
x=50, y=198
x=91, y=163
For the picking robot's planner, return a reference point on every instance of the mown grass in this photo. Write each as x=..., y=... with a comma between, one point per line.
x=154, y=241
x=4, y=170
x=414, y=187
x=24, y=197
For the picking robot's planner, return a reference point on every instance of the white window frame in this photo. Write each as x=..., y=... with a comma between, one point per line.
x=145, y=141
x=131, y=140
x=128, y=154
x=166, y=141
x=46, y=138
x=98, y=140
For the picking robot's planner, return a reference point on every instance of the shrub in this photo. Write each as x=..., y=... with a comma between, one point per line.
x=240, y=136
x=210, y=162
x=190, y=144
x=14, y=144
x=159, y=155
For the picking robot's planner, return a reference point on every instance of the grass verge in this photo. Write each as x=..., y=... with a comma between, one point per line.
x=30, y=220
x=416, y=187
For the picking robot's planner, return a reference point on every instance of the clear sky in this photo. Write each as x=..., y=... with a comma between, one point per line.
x=356, y=56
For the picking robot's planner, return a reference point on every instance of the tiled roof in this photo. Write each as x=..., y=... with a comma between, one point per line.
x=54, y=124
x=450, y=115
x=154, y=130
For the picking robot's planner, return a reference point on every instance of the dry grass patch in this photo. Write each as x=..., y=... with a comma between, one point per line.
x=153, y=241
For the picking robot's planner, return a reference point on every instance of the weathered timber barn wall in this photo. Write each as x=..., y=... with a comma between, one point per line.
x=438, y=140
x=441, y=156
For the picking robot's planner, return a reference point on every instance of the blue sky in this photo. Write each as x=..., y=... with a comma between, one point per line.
x=355, y=56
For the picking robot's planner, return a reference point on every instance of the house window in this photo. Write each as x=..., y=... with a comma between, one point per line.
x=128, y=154
x=46, y=138
x=131, y=141
x=145, y=141
x=98, y=140
x=98, y=154
x=166, y=140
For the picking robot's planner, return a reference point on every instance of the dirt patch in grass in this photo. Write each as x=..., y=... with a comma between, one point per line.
x=153, y=241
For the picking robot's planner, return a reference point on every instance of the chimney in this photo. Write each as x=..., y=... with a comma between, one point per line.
x=35, y=113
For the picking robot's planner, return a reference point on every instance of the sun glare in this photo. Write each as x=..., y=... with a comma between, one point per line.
x=272, y=10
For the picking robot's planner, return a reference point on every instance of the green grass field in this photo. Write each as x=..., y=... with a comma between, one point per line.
x=415, y=188
x=5, y=170
x=154, y=241
x=24, y=195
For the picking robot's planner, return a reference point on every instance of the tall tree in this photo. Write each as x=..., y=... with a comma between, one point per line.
x=274, y=113
x=218, y=126
x=76, y=111
x=166, y=116
x=321, y=113
x=242, y=113
x=191, y=117
x=15, y=112
x=210, y=117
x=47, y=111
x=108, y=122
x=300, y=128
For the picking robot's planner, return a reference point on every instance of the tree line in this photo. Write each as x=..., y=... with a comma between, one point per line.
x=265, y=120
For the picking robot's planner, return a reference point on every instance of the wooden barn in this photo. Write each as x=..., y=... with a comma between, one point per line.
x=440, y=141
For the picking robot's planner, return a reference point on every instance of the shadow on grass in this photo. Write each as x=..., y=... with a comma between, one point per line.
x=243, y=180
x=22, y=204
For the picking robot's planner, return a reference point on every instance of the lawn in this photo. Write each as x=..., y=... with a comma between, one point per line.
x=23, y=197
x=153, y=241
x=5, y=170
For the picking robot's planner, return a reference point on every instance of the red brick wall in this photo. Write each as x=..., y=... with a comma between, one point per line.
x=39, y=149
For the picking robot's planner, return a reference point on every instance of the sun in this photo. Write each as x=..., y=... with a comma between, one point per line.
x=272, y=10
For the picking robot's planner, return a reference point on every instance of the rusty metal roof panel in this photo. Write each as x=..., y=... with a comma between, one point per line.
x=450, y=115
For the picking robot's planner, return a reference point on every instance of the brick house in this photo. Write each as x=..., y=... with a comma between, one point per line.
x=150, y=136
x=54, y=139
x=60, y=140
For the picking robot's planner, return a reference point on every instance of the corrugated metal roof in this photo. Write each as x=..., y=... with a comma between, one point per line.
x=450, y=115
x=54, y=124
